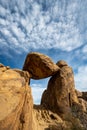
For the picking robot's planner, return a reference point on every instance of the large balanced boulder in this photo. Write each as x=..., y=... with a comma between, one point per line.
x=39, y=65
x=16, y=102
x=60, y=93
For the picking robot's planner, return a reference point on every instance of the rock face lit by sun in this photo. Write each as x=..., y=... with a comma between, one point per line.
x=62, y=107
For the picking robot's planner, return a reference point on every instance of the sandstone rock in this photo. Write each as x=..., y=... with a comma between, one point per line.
x=61, y=63
x=60, y=93
x=84, y=95
x=78, y=93
x=47, y=120
x=1, y=65
x=79, y=111
x=83, y=105
x=24, y=74
x=16, y=103
x=39, y=65
x=44, y=119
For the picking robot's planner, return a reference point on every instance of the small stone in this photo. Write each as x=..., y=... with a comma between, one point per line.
x=61, y=63
x=7, y=67
x=1, y=65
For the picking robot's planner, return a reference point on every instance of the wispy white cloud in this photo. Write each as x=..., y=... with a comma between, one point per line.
x=34, y=24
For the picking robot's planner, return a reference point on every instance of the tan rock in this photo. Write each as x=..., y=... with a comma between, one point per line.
x=46, y=120
x=1, y=65
x=78, y=93
x=39, y=65
x=16, y=103
x=84, y=95
x=60, y=93
x=61, y=63
x=83, y=105
x=24, y=74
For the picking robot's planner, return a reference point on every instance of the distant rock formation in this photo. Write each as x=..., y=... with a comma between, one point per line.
x=62, y=107
x=39, y=66
x=60, y=93
x=81, y=95
x=16, y=104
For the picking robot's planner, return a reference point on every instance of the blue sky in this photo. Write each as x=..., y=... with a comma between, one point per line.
x=57, y=28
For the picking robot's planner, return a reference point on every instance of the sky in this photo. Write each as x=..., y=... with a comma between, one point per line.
x=57, y=28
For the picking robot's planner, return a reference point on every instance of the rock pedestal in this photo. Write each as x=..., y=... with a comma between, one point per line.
x=60, y=93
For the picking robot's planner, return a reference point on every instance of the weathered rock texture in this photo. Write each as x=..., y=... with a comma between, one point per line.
x=60, y=93
x=82, y=95
x=39, y=65
x=16, y=103
x=62, y=107
x=44, y=119
x=61, y=63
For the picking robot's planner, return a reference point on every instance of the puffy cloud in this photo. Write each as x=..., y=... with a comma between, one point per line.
x=27, y=24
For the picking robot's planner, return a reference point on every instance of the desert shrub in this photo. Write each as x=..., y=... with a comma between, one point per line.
x=76, y=125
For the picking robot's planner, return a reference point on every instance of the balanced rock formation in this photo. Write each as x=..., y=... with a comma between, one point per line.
x=60, y=93
x=16, y=104
x=39, y=66
x=62, y=107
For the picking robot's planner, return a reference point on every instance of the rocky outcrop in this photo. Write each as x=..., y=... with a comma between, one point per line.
x=60, y=93
x=16, y=104
x=39, y=65
x=44, y=119
x=62, y=107
x=82, y=95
